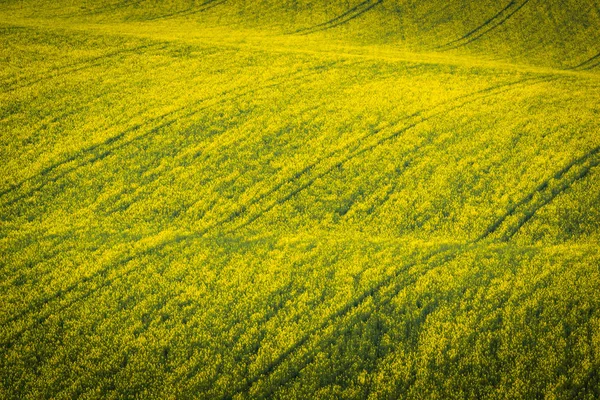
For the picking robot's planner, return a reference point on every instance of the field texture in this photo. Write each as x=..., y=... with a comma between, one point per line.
x=235, y=199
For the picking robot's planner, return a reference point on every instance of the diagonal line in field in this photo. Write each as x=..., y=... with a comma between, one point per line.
x=52, y=116
x=379, y=302
x=482, y=26
x=589, y=63
x=80, y=66
x=343, y=18
x=337, y=315
x=103, y=271
x=488, y=26
x=189, y=11
x=488, y=92
x=91, y=150
x=566, y=185
x=104, y=282
x=350, y=18
x=586, y=162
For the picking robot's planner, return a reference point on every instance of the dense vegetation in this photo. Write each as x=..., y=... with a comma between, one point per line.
x=300, y=199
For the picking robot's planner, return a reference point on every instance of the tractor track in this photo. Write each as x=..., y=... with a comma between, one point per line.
x=190, y=11
x=80, y=66
x=491, y=24
x=101, y=150
x=564, y=181
x=588, y=64
x=338, y=315
x=341, y=19
x=419, y=119
x=104, y=271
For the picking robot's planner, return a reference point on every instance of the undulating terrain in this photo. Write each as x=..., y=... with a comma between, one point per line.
x=246, y=199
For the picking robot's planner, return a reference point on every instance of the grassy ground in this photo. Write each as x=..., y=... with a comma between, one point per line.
x=235, y=199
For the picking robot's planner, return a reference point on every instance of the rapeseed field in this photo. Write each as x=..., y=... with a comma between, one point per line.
x=232, y=199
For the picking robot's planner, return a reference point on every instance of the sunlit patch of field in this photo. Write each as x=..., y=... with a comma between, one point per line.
x=230, y=199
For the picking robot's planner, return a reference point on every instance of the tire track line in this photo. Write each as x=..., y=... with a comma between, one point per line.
x=588, y=64
x=104, y=282
x=482, y=26
x=330, y=319
x=190, y=11
x=22, y=270
x=417, y=118
x=98, y=151
x=80, y=66
x=212, y=200
x=379, y=302
x=285, y=292
x=488, y=26
x=336, y=316
x=50, y=117
x=547, y=191
x=365, y=295
x=341, y=19
x=104, y=271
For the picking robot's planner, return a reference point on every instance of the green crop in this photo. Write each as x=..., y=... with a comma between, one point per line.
x=300, y=199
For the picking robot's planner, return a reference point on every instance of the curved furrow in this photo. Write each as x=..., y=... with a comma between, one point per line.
x=421, y=119
x=443, y=251
x=80, y=66
x=98, y=277
x=100, y=273
x=100, y=150
x=487, y=27
x=341, y=19
x=564, y=181
x=562, y=187
x=54, y=116
x=190, y=11
x=380, y=301
x=588, y=64
x=480, y=27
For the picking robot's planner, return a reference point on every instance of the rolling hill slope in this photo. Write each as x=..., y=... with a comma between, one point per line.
x=300, y=199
